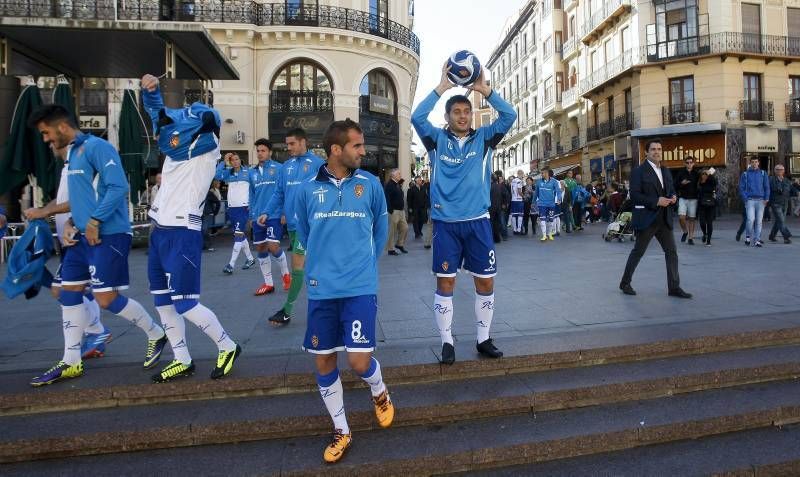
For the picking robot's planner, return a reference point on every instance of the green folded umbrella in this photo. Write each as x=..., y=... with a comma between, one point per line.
x=62, y=95
x=132, y=144
x=24, y=152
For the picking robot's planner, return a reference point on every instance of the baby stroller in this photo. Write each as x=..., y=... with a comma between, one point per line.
x=621, y=228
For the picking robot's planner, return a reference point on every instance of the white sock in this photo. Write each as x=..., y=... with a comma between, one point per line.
x=175, y=328
x=136, y=314
x=246, y=248
x=208, y=323
x=543, y=227
x=443, y=311
x=375, y=379
x=266, y=269
x=237, y=247
x=74, y=319
x=556, y=225
x=333, y=397
x=93, y=309
x=281, y=259
x=484, y=312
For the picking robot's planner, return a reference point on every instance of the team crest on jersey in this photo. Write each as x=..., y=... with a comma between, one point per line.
x=314, y=341
x=305, y=167
x=359, y=190
x=272, y=172
x=175, y=140
x=445, y=266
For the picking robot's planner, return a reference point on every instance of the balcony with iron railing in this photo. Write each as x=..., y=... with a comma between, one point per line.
x=218, y=11
x=793, y=110
x=569, y=47
x=680, y=113
x=732, y=43
x=301, y=101
x=568, y=97
x=623, y=123
x=602, y=17
x=575, y=143
x=612, y=69
x=600, y=131
x=750, y=110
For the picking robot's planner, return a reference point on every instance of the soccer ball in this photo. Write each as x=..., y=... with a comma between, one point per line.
x=464, y=68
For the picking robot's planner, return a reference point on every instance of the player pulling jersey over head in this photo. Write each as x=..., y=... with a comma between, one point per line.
x=517, y=205
x=190, y=139
x=237, y=177
x=461, y=159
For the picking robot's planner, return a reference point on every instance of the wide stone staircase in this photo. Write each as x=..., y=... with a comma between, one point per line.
x=708, y=398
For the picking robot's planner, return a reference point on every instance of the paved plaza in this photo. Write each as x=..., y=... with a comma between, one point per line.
x=560, y=287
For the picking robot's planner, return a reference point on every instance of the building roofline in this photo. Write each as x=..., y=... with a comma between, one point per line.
x=523, y=17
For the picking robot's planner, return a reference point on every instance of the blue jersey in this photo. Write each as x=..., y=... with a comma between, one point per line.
x=263, y=182
x=295, y=171
x=461, y=169
x=182, y=133
x=91, y=157
x=547, y=192
x=343, y=227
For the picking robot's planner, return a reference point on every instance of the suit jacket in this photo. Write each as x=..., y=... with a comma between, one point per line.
x=645, y=191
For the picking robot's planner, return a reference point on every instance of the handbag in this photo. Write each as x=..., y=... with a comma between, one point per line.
x=708, y=201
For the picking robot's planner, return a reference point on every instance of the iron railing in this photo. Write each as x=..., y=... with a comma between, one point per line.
x=724, y=42
x=601, y=14
x=301, y=101
x=569, y=46
x=198, y=96
x=680, y=113
x=575, y=142
x=750, y=110
x=568, y=97
x=611, y=69
x=217, y=11
x=793, y=110
x=623, y=122
x=599, y=131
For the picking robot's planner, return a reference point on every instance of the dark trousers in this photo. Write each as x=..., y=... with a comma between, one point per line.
x=496, y=219
x=577, y=214
x=419, y=219
x=706, y=216
x=743, y=225
x=526, y=216
x=663, y=234
x=779, y=213
x=208, y=220
x=504, y=222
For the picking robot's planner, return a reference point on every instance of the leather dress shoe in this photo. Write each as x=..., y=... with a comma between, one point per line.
x=679, y=293
x=627, y=289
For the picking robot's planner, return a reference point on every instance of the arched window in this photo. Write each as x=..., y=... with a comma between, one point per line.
x=378, y=94
x=301, y=86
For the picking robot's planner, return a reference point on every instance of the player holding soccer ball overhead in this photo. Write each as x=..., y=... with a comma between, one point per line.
x=461, y=160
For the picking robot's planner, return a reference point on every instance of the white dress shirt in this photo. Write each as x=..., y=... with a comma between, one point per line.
x=658, y=172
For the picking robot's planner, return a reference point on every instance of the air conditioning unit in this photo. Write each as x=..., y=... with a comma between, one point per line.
x=239, y=138
x=732, y=114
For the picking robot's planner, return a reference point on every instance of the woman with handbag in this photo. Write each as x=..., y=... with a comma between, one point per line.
x=706, y=208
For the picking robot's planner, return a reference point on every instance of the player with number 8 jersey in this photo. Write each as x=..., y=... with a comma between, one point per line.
x=342, y=224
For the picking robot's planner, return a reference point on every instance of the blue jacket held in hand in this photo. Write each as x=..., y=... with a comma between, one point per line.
x=26, y=262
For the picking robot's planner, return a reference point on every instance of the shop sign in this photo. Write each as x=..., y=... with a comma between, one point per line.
x=761, y=140
x=706, y=149
x=93, y=122
x=379, y=104
x=313, y=123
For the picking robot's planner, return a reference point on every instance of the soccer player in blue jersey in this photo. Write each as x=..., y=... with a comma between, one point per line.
x=343, y=225
x=190, y=139
x=461, y=159
x=301, y=166
x=99, y=237
x=546, y=196
x=238, y=180
x=267, y=237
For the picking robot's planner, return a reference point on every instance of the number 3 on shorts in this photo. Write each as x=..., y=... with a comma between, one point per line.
x=356, y=333
x=491, y=257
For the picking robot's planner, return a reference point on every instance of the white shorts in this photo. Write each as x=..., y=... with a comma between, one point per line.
x=687, y=207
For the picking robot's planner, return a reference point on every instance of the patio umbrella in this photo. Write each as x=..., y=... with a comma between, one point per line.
x=132, y=144
x=25, y=155
x=62, y=95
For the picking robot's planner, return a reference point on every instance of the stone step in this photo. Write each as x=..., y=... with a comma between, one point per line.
x=276, y=417
x=768, y=451
x=117, y=386
x=497, y=442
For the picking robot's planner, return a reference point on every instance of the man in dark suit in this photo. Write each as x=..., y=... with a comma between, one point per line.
x=653, y=194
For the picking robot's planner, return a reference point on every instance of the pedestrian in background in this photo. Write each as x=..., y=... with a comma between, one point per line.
x=707, y=204
x=398, y=226
x=780, y=190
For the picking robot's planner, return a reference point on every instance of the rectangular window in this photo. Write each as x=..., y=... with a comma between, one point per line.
x=548, y=47
x=794, y=87
x=751, y=27
x=681, y=100
x=572, y=32
x=548, y=90
x=751, y=104
x=593, y=64
x=559, y=85
x=524, y=44
x=610, y=101
x=625, y=39
x=793, y=29
x=527, y=79
x=527, y=114
x=558, y=41
x=628, y=104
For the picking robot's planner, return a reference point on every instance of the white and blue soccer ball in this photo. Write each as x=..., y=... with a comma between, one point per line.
x=464, y=68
